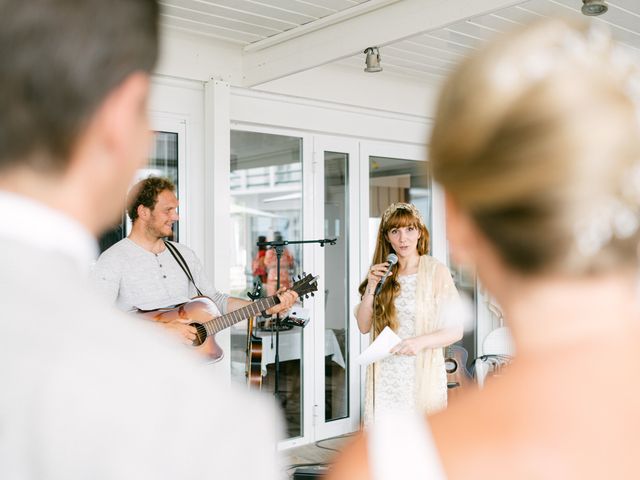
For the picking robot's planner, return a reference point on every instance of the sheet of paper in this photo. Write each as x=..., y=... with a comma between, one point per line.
x=380, y=348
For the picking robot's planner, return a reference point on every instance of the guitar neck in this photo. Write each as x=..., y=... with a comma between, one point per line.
x=254, y=308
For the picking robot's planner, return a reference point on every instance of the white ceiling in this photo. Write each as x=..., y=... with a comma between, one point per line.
x=437, y=51
x=419, y=38
x=247, y=21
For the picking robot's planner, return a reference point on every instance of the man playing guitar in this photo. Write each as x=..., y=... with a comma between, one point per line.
x=145, y=274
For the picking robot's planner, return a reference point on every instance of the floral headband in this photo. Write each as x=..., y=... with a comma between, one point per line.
x=394, y=207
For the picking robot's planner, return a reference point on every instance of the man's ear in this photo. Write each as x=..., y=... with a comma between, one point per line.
x=125, y=118
x=143, y=212
x=461, y=233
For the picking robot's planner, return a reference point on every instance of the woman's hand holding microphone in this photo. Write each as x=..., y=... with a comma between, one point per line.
x=376, y=272
x=379, y=272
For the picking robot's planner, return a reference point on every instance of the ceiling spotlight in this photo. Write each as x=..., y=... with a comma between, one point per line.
x=594, y=7
x=372, y=60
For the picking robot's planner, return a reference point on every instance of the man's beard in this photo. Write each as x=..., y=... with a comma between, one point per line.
x=159, y=233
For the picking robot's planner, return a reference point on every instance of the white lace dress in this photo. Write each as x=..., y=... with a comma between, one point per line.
x=395, y=376
x=419, y=382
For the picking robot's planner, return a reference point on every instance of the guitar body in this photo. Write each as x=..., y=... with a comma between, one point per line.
x=254, y=362
x=254, y=346
x=210, y=349
x=199, y=310
x=456, y=366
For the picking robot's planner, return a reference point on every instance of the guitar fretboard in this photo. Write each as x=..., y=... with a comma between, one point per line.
x=225, y=321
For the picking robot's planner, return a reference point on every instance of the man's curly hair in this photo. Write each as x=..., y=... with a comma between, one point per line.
x=146, y=192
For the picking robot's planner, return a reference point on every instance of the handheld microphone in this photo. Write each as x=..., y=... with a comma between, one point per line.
x=392, y=259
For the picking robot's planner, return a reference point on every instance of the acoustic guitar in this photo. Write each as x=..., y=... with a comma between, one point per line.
x=254, y=348
x=458, y=377
x=207, y=321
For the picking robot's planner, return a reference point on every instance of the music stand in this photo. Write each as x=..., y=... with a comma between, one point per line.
x=278, y=246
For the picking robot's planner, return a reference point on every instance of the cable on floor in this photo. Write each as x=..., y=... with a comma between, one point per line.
x=318, y=443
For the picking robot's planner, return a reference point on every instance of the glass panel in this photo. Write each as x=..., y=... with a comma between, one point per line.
x=266, y=204
x=336, y=263
x=163, y=161
x=396, y=180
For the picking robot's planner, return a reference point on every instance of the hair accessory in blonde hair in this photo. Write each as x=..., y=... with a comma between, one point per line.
x=616, y=217
x=618, y=214
x=394, y=207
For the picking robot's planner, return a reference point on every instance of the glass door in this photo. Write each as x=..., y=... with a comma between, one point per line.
x=337, y=379
x=340, y=187
x=401, y=174
x=396, y=173
x=266, y=204
x=354, y=183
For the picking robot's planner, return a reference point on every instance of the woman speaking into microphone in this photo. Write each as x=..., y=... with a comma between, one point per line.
x=408, y=300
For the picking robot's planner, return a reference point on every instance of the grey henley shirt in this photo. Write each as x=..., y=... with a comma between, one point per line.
x=134, y=278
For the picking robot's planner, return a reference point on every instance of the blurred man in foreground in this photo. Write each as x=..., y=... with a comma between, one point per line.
x=80, y=397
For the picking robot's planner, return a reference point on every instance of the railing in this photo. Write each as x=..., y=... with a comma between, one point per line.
x=266, y=177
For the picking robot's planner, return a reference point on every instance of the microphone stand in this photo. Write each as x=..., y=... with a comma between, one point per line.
x=278, y=246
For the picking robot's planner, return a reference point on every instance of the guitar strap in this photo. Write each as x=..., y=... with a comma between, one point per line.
x=183, y=264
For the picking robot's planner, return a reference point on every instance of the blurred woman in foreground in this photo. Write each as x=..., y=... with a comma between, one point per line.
x=537, y=144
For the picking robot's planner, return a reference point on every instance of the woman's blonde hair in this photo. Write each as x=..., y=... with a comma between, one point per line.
x=537, y=138
x=397, y=215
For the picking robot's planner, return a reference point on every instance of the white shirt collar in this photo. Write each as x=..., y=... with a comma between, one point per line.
x=40, y=226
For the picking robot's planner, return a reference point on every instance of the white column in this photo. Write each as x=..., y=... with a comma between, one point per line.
x=217, y=139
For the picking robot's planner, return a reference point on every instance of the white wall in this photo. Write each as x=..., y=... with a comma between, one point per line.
x=251, y=107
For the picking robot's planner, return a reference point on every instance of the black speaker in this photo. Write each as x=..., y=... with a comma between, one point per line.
x=315, y=472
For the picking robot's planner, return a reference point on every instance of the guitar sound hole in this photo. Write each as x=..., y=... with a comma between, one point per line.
x=450, y=366
x=201, y=334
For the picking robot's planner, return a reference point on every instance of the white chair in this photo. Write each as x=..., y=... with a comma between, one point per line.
x=499, y=342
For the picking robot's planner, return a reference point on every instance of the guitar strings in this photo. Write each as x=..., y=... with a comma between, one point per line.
x=218, y=324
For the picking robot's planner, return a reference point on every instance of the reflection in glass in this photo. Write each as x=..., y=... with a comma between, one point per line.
x=163, y=160
x=396, y=180
x=266, y=204
x=336, y=220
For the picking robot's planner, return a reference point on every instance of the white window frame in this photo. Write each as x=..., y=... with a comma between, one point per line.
x=178, y=125
x=307, y=264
